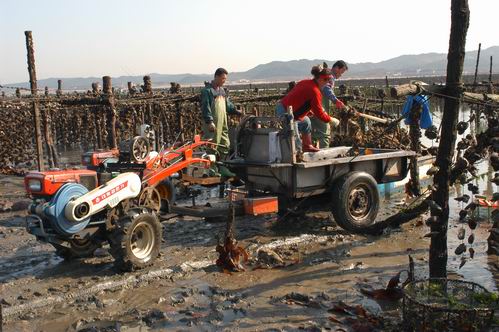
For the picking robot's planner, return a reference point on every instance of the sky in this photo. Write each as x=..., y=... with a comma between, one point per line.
x=121, y=37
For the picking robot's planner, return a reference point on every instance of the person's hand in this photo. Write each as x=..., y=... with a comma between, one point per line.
x=339, y=104
x=211, y=127
x=334, y=122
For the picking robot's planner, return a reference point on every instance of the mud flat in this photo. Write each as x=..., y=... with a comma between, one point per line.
x=320, y=265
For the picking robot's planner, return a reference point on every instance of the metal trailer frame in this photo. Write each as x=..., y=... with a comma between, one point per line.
x=317, y=172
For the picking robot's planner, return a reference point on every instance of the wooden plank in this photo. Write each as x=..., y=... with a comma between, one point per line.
x=346, y=160
x=202, y=181
x=210, y=212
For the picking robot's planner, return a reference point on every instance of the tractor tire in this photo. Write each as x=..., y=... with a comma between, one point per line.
x=355, y=201
x=136, y=241
x=78, y=249
x=167, y=192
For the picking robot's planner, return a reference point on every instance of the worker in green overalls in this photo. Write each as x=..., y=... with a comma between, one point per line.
x=321, y=131
x=214, y=106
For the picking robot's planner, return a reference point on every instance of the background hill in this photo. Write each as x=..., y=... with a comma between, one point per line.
x=401, y=66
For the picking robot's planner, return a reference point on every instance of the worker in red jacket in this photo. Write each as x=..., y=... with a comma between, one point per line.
x=306, y=99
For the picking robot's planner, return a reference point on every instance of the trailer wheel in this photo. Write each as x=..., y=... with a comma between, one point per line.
x=136, y=241
x=78, y=248
x=355, y=201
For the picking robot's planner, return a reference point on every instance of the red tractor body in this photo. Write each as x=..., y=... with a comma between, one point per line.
x=94, y=159
x=47, y=183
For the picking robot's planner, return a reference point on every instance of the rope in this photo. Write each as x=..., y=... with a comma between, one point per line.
x=478, y=101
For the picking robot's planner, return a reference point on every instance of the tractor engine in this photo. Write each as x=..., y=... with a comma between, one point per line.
x=74, y=207
x=44, y=185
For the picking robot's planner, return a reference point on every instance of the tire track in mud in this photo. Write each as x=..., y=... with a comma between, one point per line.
x=22, y=265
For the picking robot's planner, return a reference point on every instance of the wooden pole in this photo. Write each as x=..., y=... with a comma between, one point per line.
x=490, y=71
x=130, y=88
x=476, y=67
x=36, y=109
x=460, y=16
x=46, y=133
x=147, y=88
x=95, y=88
x=148, y=115
x=98, y=134
x=31, y=63
x=415, y=136
x=107, y=86
x=180, y=120
x=49, y=142
x=110, y=111
x=59, y=88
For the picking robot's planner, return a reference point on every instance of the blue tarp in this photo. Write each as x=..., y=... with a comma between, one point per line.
x=425, y=120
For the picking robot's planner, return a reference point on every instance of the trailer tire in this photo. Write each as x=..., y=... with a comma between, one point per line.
x=355, y=201
x=136, y=241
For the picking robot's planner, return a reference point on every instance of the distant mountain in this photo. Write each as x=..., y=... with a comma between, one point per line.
x=401, y=66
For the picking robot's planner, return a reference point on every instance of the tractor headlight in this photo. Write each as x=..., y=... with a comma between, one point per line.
x=34, y=185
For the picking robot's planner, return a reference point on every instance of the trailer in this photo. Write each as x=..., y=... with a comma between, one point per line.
x=342, y=179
